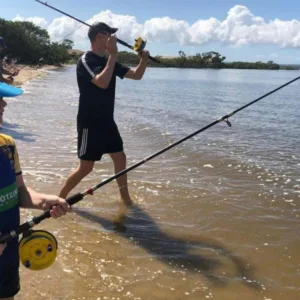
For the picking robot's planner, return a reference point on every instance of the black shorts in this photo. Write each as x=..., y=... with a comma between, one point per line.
x=94, y=141
x=9, y=281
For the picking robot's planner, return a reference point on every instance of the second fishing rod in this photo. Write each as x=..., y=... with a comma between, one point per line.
x=79, y=196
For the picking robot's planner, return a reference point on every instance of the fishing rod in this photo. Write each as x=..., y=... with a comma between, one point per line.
x=79, y=196
x=139, y=42
x=12, y=64
x=14, y=60
x=38, y=248
x=69, y=34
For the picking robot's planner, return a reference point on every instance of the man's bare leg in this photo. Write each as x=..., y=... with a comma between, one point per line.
x=85, y=167
x=119, y=160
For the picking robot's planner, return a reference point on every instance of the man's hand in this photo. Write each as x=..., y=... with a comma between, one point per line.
x=58, y=206
x=144, y=55
x=15, y=73
x=111, y=45
x=8, y=80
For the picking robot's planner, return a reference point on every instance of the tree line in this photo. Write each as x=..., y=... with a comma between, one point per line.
x=209, y=59
x=29, y=43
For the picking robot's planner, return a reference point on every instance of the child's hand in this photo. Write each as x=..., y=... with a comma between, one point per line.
x=58, y=206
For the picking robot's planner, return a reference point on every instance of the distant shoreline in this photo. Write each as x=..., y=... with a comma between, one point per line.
x=282, y=67
x=31, y=72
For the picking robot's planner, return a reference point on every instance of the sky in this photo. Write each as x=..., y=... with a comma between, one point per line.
x=248, y=30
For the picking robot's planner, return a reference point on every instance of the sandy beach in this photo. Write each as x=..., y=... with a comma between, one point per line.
x=30, y=72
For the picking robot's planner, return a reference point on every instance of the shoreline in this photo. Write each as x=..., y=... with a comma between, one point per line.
x=28, y=73
x=31, y=72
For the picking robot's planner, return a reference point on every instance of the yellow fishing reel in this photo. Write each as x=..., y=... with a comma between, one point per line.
x=139, y=44
x=38, y=250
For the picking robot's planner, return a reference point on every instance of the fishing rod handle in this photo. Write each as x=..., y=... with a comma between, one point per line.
x=75, y=198
x=154, y=59
x=124, y=43
x=71, y=200
x=5, y=238
x=129, y=46
x=15, y=233
x=36, y=220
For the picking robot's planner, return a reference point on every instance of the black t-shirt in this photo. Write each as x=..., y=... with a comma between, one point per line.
x=96, y=105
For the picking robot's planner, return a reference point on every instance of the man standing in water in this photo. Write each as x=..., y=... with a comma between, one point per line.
x=3, y=70
x=97, y=130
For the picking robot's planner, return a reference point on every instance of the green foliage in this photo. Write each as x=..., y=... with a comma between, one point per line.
x=256, y=65
x=29, y=43
x=210, y=59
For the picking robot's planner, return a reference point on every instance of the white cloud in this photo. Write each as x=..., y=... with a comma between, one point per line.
x=35, y=20
x=63, y=26
x=167, y=30
x=239, y=28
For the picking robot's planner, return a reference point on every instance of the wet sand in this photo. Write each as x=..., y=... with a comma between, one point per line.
x=29, y=72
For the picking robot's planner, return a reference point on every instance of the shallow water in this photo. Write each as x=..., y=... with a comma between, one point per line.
x=216, y=217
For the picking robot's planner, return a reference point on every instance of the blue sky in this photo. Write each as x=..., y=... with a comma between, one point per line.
x=189, y=10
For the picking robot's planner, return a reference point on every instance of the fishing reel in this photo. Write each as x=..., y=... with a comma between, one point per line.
x=37, y=249
x=139, y=44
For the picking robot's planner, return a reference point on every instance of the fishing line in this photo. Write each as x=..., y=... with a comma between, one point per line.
x=69, y=34
x=139, y=42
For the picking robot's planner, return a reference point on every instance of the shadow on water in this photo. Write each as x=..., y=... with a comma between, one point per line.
x=11, y=125
x=9, y=129
x=138, y=227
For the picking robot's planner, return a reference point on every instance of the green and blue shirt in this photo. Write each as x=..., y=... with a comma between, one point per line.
x=9, y=198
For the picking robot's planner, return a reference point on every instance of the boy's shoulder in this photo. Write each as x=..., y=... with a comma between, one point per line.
x=6, y=140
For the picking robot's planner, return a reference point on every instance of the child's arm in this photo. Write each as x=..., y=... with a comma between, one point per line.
x=31, y=199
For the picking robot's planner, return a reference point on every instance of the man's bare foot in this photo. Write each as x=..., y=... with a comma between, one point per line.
x=128, y=202
x=119, y=219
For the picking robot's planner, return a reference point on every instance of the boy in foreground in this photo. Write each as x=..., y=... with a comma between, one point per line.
x=13, y=195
